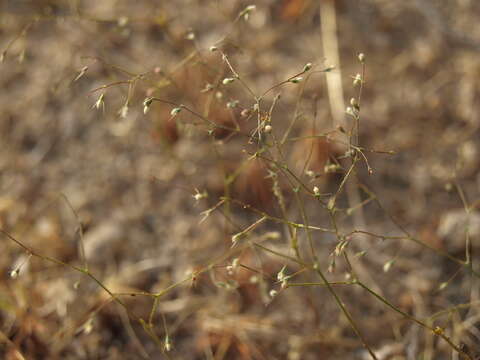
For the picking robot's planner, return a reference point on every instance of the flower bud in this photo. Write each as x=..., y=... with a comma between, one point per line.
x=227, y=81
x=307, y=67
x=175, y=111
x=310, y=173
x=349, y=111
x=296, y=80
x=357, y=80
x=245, y=113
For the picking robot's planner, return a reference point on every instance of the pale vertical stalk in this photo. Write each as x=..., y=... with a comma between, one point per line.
x=328, y=20
x=330, y=50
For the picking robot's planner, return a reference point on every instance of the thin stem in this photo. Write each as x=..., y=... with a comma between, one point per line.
x=437, y=331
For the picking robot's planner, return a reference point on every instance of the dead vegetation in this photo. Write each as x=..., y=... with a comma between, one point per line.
x=189, y=179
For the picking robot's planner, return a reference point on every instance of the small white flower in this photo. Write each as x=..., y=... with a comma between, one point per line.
x=443, y=285
x=231, y=268
x=175, y=111
x=310, y=173
x=296, y=80
x=357, y=80
x=168, y=343
x=245, y=113
x=350, y=111
x=147, y=101
x=267, y=129
x=331, y=203
x=146, y=104
x=232, y=104
x=387, y=266
x=281, y=274
x=330, y=168
x=273, y=293
x=361, y=57
x=227, y=81
x=307, y=67
x=246, y=12
x=199, y=196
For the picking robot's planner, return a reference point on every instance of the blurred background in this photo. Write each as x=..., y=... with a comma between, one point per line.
x=81, y=163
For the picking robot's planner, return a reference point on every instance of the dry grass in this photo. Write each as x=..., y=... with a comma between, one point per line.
x=354, y=236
